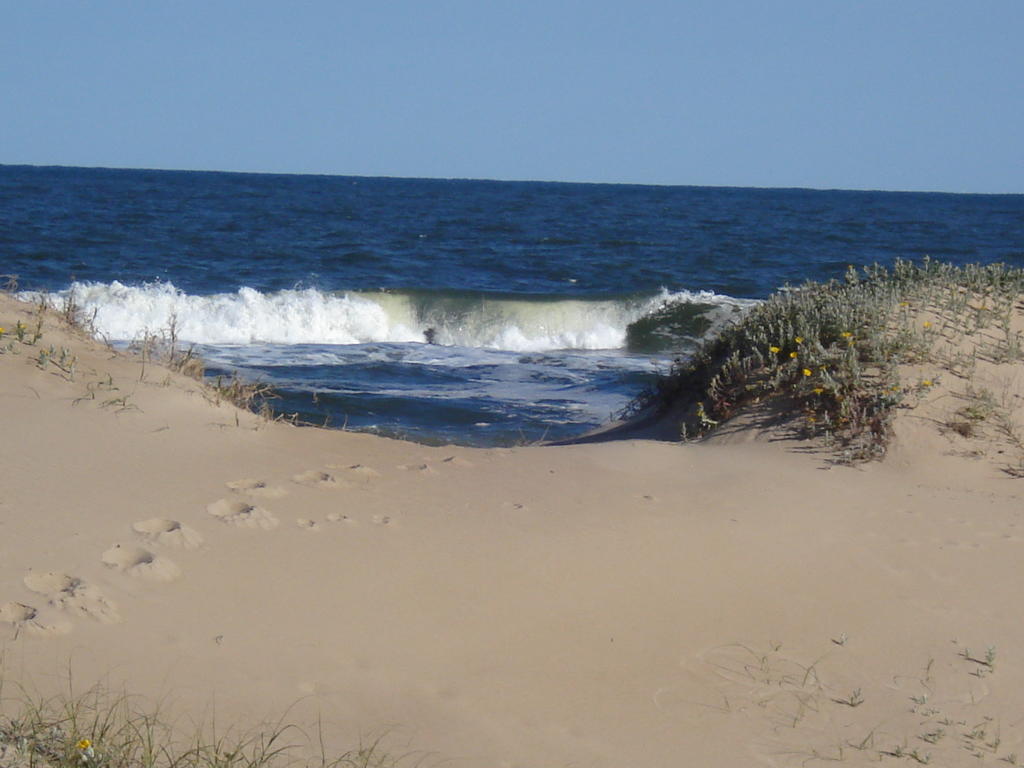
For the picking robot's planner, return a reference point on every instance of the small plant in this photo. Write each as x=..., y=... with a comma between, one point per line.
x=86, y=753
x=243, y=394
x=981, y=407
x=705, y=421
x=986, y=662
x=120, y=403
x=66, y=362
x=919, y=758
x=188, y=363
x=978, y=732
x=37, y=334
x=867, y=742
x=855, y=699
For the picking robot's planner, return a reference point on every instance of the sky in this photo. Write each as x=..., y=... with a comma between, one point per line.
x=854, y=94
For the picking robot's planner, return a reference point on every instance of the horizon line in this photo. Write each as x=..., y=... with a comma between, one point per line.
x=398, y=177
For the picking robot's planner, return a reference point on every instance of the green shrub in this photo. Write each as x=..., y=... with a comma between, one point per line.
x=833, y=349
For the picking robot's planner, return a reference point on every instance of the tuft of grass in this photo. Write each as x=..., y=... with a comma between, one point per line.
x=986, y=663
x=855, y=699
x=830, y=352
x=163, y=348
x=98, y=730
x=247, y=395
x=185, y=361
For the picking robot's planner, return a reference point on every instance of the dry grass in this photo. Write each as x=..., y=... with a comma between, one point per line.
x=100, y=730
x=161, y=348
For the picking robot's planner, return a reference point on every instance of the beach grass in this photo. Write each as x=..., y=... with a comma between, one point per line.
x=102, y=729
x=162, y=349
x=831, y=354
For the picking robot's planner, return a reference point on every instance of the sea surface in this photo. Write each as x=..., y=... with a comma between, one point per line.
x=472, y=312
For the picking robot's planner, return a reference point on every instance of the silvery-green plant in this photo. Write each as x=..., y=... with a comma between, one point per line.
x=831, y=351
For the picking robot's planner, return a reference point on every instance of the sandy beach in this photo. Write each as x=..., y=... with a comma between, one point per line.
x=740, y=600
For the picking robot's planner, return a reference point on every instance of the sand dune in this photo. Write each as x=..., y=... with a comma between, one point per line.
x=740, y=601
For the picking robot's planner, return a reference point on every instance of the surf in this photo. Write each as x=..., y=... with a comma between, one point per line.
x=651, y=323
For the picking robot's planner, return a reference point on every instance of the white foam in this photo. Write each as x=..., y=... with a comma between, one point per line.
x=310, y=316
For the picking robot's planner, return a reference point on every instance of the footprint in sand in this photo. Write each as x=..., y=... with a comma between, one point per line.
x=140, y=563
x=381, y=520
x=25, y=617
x=337, y=517
x=243, y=515
x=366, y=474
x=317, y=479
x=257, y=488
x=306, y=524
x=422, y=469
x=72, y=594
x=458, y=461
x=170, y=533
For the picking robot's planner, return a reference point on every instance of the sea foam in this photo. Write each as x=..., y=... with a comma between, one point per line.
x=311, y=316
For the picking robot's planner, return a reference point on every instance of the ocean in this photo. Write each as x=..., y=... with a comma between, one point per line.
x=452, y=311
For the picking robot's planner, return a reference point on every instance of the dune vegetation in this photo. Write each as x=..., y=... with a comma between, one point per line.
x=98, y=729
x=835, y=355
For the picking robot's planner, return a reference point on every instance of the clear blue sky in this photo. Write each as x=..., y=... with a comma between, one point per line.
x=879, y=94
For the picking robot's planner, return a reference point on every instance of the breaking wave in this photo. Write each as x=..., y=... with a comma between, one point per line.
x=646, y=323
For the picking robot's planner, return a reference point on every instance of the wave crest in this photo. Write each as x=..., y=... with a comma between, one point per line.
x=311, y=316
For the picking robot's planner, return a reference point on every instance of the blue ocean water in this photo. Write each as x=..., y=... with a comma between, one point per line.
x=476, y=312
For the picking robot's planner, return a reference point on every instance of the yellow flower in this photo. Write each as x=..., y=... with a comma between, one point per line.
x=927, y=324
x=84, y=744
x=926, y=383
x=793, y=355
x=846, y=334
x=818, y=390
x=774, y=350
x=808, y=371
x=799, y=339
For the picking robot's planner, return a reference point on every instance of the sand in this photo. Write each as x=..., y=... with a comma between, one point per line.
x=737, y=601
